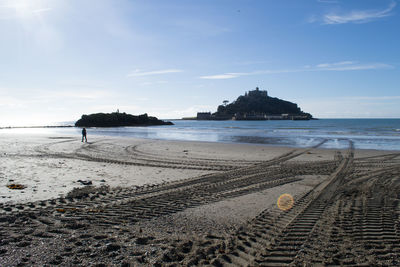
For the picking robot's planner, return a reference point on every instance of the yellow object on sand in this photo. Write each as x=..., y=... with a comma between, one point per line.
x=16, y=186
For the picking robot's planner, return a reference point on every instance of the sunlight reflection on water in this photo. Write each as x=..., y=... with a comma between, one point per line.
x=366, y=134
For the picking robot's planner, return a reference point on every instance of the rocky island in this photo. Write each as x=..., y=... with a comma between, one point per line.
x=256, y=105
x=117, y=119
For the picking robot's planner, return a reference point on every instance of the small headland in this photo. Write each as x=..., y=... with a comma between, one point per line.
x=117, y=119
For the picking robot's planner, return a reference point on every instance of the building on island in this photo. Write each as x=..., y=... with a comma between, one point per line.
x=256, y=105
x=204, y=115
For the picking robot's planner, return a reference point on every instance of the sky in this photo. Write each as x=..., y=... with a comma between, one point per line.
x=60, y=59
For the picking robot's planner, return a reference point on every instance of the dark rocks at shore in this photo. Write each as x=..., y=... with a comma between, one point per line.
x=117, y=119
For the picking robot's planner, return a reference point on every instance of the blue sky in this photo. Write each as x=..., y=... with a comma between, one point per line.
x=64, y=58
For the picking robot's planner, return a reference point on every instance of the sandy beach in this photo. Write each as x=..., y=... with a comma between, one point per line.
x=142, y=202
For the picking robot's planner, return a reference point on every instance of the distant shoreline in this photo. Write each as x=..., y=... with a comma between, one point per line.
x=181, y=119
x=33, y=127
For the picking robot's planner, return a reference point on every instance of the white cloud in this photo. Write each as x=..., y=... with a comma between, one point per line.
x=138, y=73
x=28, y=96
x=350, y=65
x=41, y=10
x=153, y=83
x=12, y=102
x=232, y=75
x=223, y=76
x=84, y=94
x=180, y=113
x=17, y=9
x=360, y=16
x=312, y=19
x=352, y=107
x=375, y=98
x=200, y=27
x=30, y=106
x=251, y=62
x=336, y=66
x=341, y=63
x=328, y=1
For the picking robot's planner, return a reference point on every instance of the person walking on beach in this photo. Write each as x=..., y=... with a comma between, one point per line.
x=84, y=134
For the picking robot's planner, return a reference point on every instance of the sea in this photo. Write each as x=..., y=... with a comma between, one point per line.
x=380, y=134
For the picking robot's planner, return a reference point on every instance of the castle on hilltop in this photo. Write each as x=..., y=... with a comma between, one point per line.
x=256, y=105
x=256, y=93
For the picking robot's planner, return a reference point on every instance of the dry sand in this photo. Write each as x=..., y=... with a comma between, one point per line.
x=132, y=202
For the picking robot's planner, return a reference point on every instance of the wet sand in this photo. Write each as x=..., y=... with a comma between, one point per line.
x=134, y=202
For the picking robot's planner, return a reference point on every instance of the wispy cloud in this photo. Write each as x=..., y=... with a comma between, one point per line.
x=200, y=27
x=41, y=10
x=390, y=98
x=352, y=106
x=336, y=66
x=223, y=76
x=239, y=74
x=139, y=73
x=188, y=111
x=86, y=94
x=22, y=10
x=359, y=16
x=251, y=62
x=350, y=65
x=328, y=1
x=26, y=97
x=12, y=102
x=153, y=83
x=82, y=94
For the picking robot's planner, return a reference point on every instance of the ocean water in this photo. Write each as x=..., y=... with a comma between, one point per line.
x=382, y=134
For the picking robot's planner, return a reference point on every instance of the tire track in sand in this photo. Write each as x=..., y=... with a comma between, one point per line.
x=258, y=176
x=275, y=238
